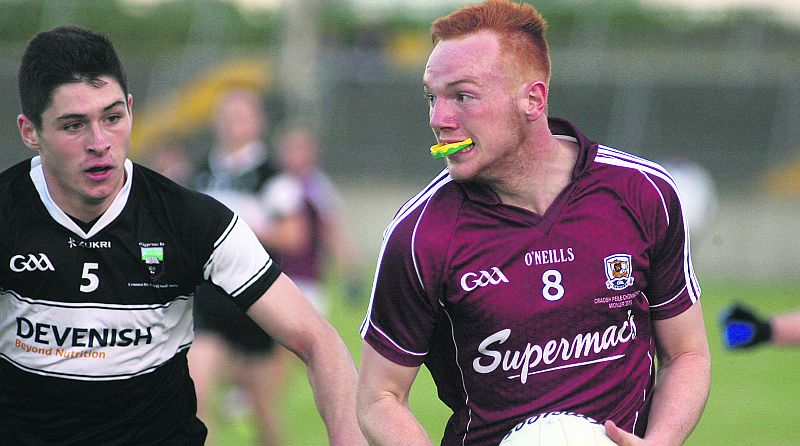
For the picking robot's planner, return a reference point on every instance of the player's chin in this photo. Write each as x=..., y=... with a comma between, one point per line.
x=98, y=194
x=461, y=171
x=456, y=175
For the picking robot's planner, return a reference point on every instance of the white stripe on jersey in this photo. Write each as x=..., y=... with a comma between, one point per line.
x=109, y=342
x=399, y=347
x=423, y=194
x=461, y=373
x=238, y=259
x=420, y=199
x=414, y=244
x=614, y=157
x=116, y=208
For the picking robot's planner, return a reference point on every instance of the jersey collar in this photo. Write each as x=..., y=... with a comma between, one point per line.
x=37, y=176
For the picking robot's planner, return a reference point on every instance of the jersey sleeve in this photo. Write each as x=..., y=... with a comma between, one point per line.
x=405, y=306
x=226, y=250
x=673, y=285
x=240, y=265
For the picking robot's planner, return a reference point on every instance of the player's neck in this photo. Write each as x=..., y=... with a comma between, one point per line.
x=82, y=207
x=540, y=177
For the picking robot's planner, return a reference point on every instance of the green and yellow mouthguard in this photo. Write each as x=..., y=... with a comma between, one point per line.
x=442, y=150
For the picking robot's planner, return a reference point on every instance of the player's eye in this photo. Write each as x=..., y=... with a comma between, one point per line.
x=73, y=126
x=430, y=98
x=114, y=118
x=462, y=97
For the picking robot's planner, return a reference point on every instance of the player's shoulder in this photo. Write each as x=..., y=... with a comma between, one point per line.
x=12, y=175
x=156, y=190
x=429, y=215
x=621, y=168
x=15, y=184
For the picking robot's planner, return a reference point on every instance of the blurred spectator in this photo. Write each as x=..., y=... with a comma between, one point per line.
x=241, y=173
x=330, y=237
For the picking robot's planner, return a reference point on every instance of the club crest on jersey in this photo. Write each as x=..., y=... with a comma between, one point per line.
x=152, y=258
x=619, y=271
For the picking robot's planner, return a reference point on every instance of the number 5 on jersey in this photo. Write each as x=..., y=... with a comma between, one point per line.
x=88, y=275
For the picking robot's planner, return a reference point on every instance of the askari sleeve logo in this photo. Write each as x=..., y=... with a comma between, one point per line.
x=619, y=271
x=152, y=258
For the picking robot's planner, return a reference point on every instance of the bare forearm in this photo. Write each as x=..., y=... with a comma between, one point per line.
x=786, y=329
x=333, y=380
x=679, y=399
x=387, y=422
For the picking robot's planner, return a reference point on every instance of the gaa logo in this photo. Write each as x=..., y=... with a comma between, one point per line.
x=470, y=281
x=20, y=263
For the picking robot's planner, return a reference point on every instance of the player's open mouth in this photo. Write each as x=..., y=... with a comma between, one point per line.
x=442, y=150
x=98, y=172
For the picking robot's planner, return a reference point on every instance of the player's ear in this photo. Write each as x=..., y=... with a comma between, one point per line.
x=536, y=99
x=28, y=132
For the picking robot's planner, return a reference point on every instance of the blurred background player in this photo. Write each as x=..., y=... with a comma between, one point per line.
x=329, y=237
x=243, y=174
x=742, y=328
x=170, y=158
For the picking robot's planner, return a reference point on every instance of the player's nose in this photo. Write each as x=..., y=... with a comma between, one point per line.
x=97, y=138
x=441, y=116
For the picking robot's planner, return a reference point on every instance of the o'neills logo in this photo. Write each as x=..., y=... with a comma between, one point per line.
x=48, y=334
x=537, y=357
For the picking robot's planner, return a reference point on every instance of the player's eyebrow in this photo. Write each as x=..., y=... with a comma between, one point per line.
x=466, y=80
x=456, y=83
x=69, y=116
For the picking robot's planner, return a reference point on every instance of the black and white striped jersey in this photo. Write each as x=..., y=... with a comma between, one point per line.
x=95, y=324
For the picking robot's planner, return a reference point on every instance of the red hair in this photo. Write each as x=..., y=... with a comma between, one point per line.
x=519, y=27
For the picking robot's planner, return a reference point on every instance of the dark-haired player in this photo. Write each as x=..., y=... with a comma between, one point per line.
x=99, y=260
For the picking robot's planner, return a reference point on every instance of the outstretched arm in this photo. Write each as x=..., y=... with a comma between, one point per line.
x=382, y=404
x=287, y=315
x=742, y=328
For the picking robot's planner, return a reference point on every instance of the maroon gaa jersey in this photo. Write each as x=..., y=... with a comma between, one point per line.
x=516, y=313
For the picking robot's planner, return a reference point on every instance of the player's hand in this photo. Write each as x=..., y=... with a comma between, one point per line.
x=742, y=327
x=621, y=437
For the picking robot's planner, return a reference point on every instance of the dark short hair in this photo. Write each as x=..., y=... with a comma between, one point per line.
x=62, y=55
